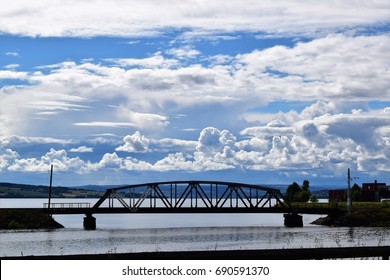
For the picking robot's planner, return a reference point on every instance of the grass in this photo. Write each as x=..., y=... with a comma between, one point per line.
x=370, y=217
x=342, y=205
x=22, y=219
x=369, y=214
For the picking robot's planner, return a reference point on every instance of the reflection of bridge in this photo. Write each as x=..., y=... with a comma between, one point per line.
x=189, y=197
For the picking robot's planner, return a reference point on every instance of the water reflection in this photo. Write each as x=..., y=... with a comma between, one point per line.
x=75, y=241
x=141, y=233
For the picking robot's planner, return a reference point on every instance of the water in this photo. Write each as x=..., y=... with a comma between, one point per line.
x=124, y=233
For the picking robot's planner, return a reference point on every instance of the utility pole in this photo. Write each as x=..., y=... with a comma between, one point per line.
x=349, y=198
x=50, y=188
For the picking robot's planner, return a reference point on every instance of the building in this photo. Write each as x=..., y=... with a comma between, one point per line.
x=375, y=191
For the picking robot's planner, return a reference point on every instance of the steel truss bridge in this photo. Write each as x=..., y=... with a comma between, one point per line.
x=191, y=197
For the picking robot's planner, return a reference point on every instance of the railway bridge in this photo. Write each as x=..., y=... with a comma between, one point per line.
x=177, y=197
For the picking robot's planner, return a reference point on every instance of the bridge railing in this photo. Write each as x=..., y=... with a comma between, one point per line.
x=67, y=205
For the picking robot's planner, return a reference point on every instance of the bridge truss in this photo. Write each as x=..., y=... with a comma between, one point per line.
x=192, y=197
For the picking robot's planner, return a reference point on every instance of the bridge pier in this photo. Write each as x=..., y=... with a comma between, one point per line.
x=293, y=220
x=89, y=222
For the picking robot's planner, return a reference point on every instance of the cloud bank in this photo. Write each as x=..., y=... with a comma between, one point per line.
x=48, y=18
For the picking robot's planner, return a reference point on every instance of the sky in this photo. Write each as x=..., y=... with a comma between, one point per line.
x=264, y=92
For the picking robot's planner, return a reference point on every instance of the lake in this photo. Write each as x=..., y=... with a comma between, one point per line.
x=122, y=233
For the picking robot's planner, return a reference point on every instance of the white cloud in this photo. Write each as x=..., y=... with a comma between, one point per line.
x=114, y=162
x=155, y=61
x=134, y=18
x=15, y=140
x=134, y=143
x=8, y=74
x=105, y=124
x=139, y=143
x=12, y=54
x=58, y=158
x=212, y=140
x=336, y=66
x=11, y=66
x=313, y=140
x=142, y=120
x=81, y=149
x=184, y=52
x=7, y=157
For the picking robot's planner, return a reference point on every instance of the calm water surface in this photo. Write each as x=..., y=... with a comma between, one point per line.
x=123, y=233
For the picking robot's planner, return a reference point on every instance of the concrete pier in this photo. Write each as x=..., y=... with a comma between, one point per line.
x=89, y=222
x=293, y=220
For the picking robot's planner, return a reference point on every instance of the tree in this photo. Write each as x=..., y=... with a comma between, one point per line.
x=306, y=185
x=295, y=193
x=302, y=196
x=356, y=193
x=292, y=190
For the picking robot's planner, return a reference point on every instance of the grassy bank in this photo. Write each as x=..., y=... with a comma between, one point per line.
x=342, y=205
x=368, y=214
x=23, y=219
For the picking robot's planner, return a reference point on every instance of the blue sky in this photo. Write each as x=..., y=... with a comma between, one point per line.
x=121, y=92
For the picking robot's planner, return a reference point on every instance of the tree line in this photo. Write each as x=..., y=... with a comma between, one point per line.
x=297, y=193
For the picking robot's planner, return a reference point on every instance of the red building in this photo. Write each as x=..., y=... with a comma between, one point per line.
x=375, y=191
x=370, y=192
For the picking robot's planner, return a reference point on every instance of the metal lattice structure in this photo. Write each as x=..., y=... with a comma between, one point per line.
x=192, y=196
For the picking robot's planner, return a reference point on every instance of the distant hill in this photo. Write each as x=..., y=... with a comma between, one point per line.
x=10, y=190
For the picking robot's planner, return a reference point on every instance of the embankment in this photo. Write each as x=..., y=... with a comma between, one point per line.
x=26, y=219
x=377, y=217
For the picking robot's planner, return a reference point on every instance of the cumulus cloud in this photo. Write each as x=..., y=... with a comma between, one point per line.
x=59, y=159
x=314, y=140
x=134, y=143
x=307, y=145
x=212, y=140
x=317, y=144
x=7, y=157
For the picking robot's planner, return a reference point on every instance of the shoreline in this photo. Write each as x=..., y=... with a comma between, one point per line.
x=11, y=219
x=377, y=217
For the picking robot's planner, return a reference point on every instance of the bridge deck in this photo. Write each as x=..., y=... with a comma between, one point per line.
x=182, y=210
